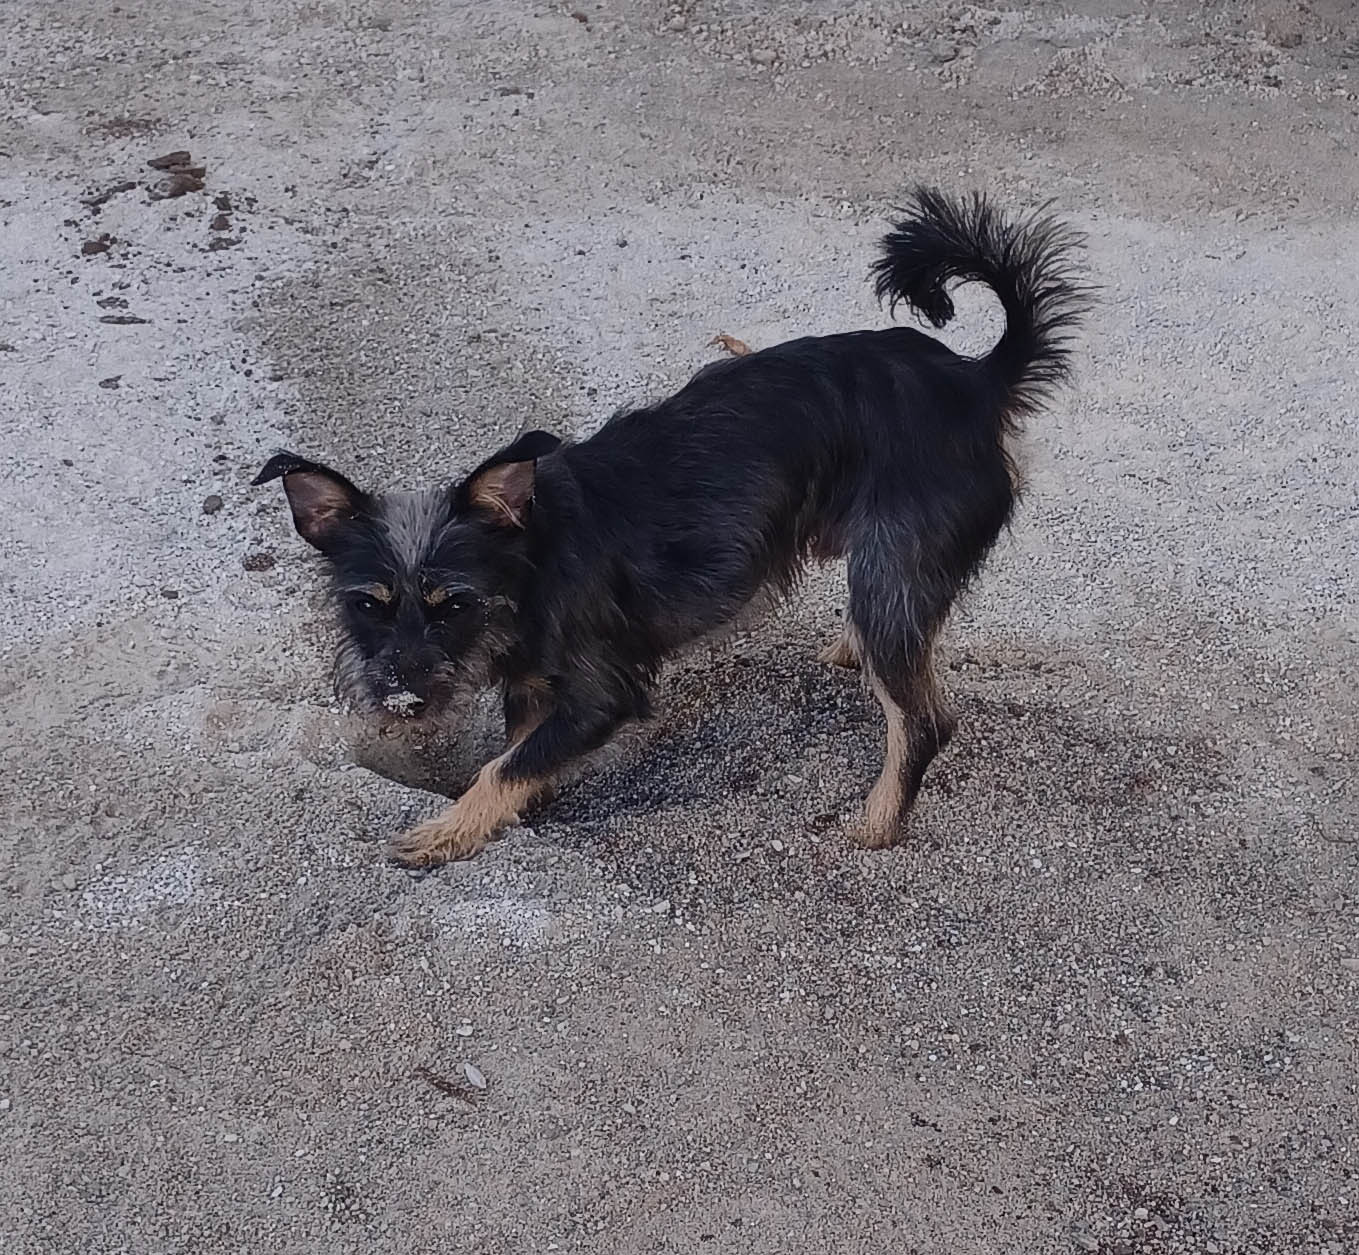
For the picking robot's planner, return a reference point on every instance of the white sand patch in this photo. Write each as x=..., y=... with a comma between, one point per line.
x=513, y=922
x=128, y=900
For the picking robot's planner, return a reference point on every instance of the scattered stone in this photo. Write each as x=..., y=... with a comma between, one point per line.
x=260, y=560
x=101, y=244
x=171, y=161
x=764, y=56
x=222, y=222
x=582, y=18
x=942, y=51
x=464, y=1030
x=112, y=383
x=112, y=302
x=212, y=503
x=474, y=1076
x=68, y=881
x=219, y=242
x=175, y=185
x=100, y=199
x=123, y=320
x=170, y=594
x=223, y=202
x=677, y=23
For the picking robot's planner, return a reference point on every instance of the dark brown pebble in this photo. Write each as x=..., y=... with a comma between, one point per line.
x=170, y=594
x=212, y=504
x=122, y=320
x=112, y=302
x=181, y=156
x=175, y=185
x=101, y=245
x=258, y=561
x=220, y=223
x=223, y=202
x=219, y=242
x=99, y=199
x=112, y=382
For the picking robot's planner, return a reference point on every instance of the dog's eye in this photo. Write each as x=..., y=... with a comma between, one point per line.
x=439, y=603
x=368, y=605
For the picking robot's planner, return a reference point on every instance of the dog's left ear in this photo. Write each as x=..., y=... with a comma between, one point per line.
x=502, y=486
x=322, y=500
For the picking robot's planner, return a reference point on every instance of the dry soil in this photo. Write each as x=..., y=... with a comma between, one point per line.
x=1104, y=999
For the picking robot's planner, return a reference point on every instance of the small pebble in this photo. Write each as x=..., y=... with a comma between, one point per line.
x=260, y=560
x=212, y=504
x=464, y=1030
x=474, y=1076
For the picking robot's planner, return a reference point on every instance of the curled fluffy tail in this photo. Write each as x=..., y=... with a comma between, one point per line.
x=1028, y=262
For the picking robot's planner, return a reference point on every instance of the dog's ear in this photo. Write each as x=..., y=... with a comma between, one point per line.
x=322, y=500
x=501, y=488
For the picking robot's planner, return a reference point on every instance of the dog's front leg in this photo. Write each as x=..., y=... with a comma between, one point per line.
x=527, y=703
x=506, y=786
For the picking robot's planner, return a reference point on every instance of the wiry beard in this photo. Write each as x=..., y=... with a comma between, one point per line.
x=358, y=680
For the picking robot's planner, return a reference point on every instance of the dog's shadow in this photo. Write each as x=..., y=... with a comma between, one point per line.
x=729, y=728
x=773, y=732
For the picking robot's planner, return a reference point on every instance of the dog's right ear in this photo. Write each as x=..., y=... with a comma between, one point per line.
x=322, y=500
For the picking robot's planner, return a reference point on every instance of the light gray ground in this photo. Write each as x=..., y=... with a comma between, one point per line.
x=1104, y=1000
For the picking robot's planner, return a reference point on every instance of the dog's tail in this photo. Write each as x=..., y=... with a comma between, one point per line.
x=1028, y=262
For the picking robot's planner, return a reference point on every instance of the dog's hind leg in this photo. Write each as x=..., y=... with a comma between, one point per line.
x=895, y=619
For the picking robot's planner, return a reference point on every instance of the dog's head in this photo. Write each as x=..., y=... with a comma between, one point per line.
x=425, y=583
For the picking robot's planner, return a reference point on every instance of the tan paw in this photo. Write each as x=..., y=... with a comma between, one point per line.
x=438, y=840
x=882, y=824
x=737, y=348
x=840, y=653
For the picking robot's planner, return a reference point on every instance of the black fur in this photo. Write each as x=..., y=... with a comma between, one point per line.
x=581, y=567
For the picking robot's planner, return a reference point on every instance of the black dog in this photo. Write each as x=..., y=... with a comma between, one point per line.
x=567, y=573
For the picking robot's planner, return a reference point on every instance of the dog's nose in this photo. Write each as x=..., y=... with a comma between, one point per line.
x=404, y=702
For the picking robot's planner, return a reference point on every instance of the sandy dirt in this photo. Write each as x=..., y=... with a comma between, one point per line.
x=1106, y=998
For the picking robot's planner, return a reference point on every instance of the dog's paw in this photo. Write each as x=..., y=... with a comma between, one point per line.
x=883, y=822
x=737, y=348
x=875, y=836
x=841, y=652
x=438, y=840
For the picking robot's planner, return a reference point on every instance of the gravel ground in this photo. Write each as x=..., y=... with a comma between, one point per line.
x=1104, y=1000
